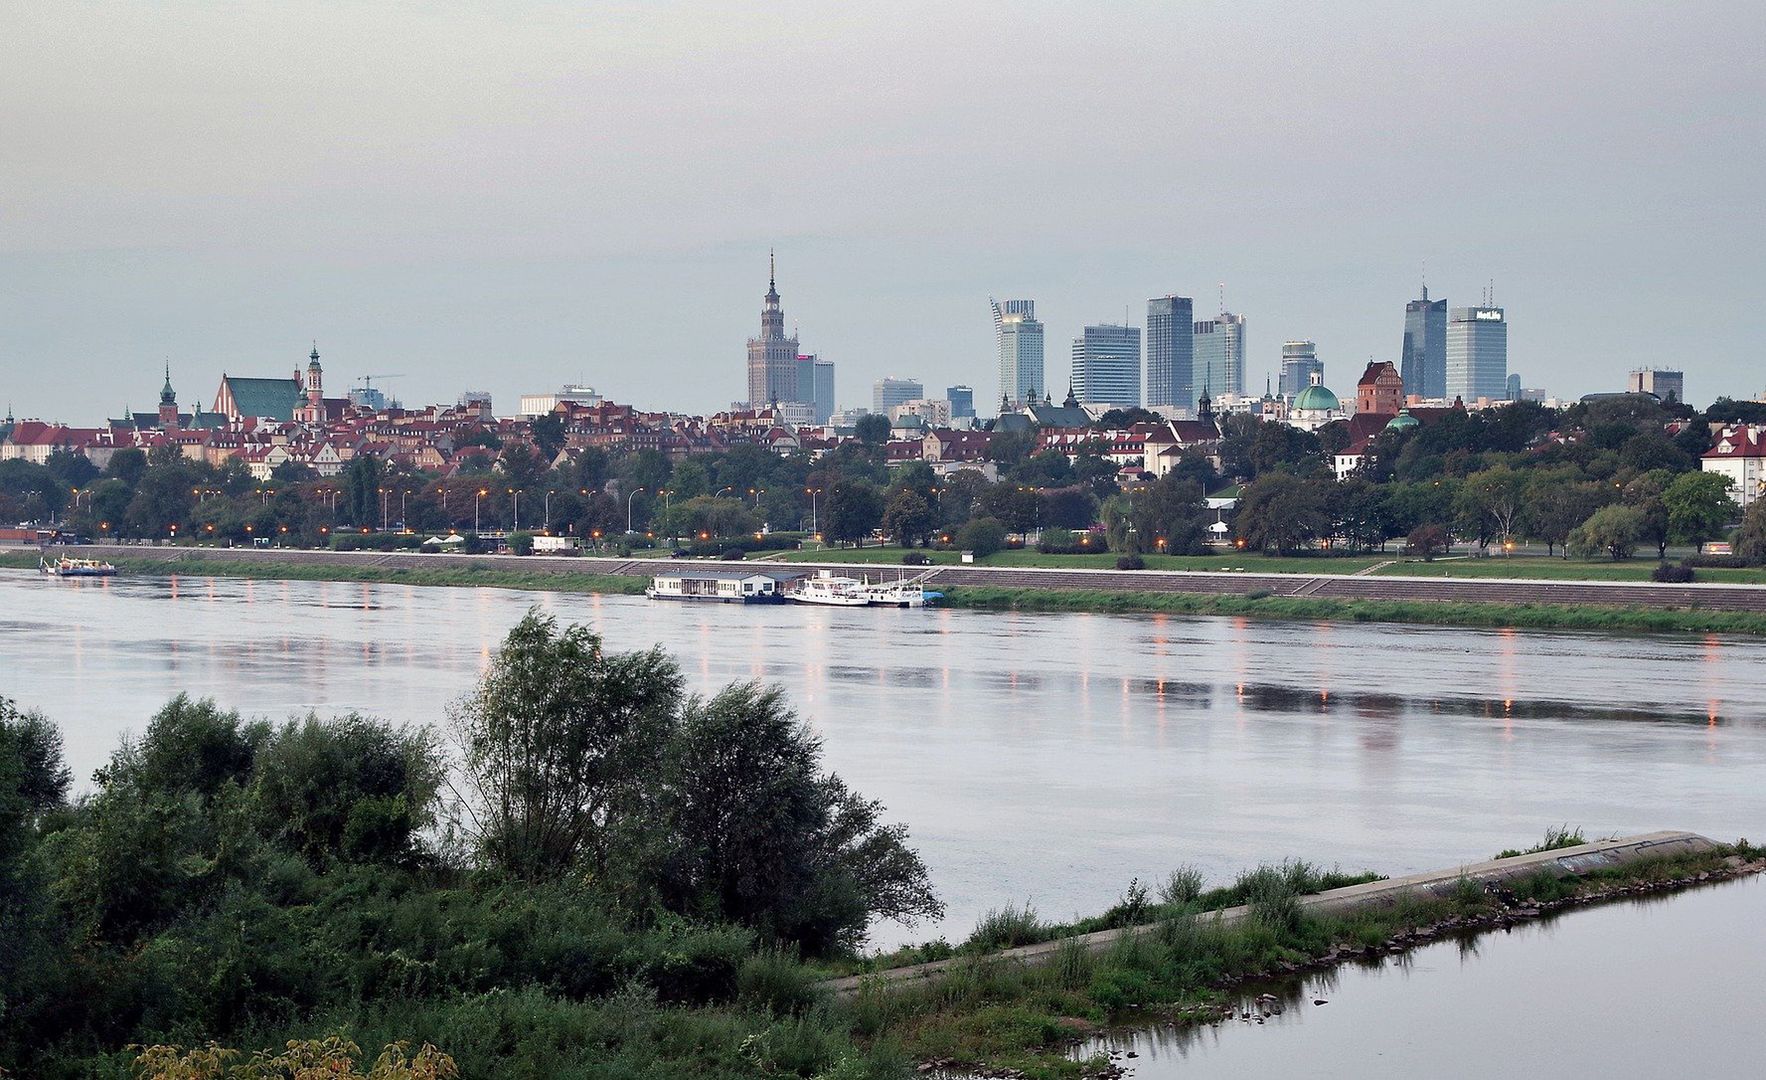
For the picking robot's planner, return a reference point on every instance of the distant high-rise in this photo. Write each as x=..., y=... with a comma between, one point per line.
x=962, y=400
x=1423, y=360
x=772, y=357
x=1171, y=351
x=815, y=386
x=1299, y=363
x=1477, y=354
x=1662, y=383
x=1220, y=356
x=1107, y=366
x=1019, y=337
x=888, y=392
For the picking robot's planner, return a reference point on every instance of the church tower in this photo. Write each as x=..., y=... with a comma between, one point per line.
x=168, y=404
x=315, y=410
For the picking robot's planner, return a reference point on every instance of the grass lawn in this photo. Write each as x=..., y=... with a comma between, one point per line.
x=1540, y=566
x=1250, y=563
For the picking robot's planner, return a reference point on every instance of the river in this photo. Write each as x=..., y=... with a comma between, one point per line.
x=1041, y=758
x=1639, y=989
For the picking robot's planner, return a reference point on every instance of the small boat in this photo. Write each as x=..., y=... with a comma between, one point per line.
x=71, y=567
x=907, y=593
x=831, y=591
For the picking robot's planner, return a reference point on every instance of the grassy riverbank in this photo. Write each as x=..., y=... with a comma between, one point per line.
x=1440, y=613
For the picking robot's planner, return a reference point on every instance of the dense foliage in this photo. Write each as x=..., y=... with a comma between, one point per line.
x=596, y=836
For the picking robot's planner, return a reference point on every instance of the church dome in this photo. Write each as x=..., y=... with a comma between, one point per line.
x=1403, y=422
x=1317, y=398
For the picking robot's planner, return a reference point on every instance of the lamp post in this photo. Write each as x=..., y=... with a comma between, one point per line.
x=726, y=487
x=548, y=511
x=402, y=518
x=757, y=493
x=628, y=508
x=477, y=497
x=517, y=493
x=813, y=492
x=383, y=494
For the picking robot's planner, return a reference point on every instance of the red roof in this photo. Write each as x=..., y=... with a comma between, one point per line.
x=1744, y=440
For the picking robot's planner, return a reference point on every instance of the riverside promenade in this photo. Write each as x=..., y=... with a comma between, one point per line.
x=1641, y=594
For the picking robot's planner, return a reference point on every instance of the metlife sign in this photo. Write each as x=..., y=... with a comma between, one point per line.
x=1488, y=314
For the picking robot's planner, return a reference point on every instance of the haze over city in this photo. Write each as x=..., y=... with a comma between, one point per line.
x=507, y=201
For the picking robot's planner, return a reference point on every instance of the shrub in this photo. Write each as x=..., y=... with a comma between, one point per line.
x=1007, y=927
x=916, y=558
x=983, y=536
x=1671, y=574
x=1427, y=541
x=1065, y=542
x=521, y=543
x=734, y=554
x=1131, y=561
x=1181, y=886
x=1131, y=909
x=347, y=541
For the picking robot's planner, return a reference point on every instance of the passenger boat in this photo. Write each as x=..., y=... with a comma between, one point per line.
x=70, y=567
x=831, y=591
x=906, y=593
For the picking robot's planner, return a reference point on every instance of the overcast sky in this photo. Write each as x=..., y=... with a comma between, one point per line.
x=508, y=196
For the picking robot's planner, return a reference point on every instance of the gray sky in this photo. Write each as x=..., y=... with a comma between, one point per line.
x=507, y=196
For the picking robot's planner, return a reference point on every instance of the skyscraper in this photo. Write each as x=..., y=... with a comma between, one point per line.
x=1477, y=354
x=888, y=392
x=1299, y=362
x=962, y=400
x=1423, y=360
x=1171, y=351
x=1107, y=366
x=772, y=357
x=1220, y=356
x=815, y=386
x=1662, y=382
x=1019, y=337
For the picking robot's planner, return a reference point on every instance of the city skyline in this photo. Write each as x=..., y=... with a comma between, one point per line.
x=536, y=215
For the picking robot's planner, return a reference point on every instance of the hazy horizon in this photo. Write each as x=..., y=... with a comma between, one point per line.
x=508, y=197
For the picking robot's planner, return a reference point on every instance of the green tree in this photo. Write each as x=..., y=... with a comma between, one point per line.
x=982, y=535
x=1068, y=508
x=1645, y=493
x=548, y=434
x=853, y=509
x=1614, y=530
x=1018, y=508
x=556, y=743
x=360, y=504
x=909, y=518
x=760, y=835
x=1750, y=539
x=872, y=429
x=1699, y=506
x=1284, y=514
x=1170, y=516
x=1498, y=496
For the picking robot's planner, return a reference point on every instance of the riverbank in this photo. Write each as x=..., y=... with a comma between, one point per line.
x=1484, y=603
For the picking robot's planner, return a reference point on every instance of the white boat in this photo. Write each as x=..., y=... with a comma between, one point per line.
x=733, y=587
x=831, y=591
x=70, y=567
x=907, y=593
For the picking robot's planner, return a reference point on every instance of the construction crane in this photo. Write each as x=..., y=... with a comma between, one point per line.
x=367, y=381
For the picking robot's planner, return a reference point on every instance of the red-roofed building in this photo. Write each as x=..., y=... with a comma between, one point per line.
x=1740, y=454
x=1381, y=390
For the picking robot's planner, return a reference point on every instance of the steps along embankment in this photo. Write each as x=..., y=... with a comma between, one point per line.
x=1702, y=596
x=1578, y=861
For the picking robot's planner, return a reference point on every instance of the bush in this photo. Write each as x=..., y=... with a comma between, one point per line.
x=916, y=558
x=1005, y=928
x=1131, y=561
x=1716, y=562
x=1181, y=886
x=357, y=541
x=521, y=543
x=983, y=536
x=733, y=554
x=1669, y=573
x=1066, y=542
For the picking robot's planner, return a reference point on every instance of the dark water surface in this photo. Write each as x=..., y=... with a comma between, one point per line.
x=1047, y=758
x=1667, y=987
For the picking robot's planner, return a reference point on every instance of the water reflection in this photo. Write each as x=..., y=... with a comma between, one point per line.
x=1594, y=990
x=1041, y=757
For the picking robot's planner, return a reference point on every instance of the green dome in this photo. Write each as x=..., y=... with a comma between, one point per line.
x=1317, y=399
x=1403, y=421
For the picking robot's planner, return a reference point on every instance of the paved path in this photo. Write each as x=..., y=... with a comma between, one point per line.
x=1709, y=597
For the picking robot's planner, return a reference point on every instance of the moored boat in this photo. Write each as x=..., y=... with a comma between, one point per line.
x=70, y=567
x=728, y=587
x=830, y=591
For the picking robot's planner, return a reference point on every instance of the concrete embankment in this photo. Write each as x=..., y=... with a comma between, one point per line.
x=1706, y=597
x=1577, y=861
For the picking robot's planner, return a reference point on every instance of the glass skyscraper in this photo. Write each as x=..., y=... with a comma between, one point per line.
x=1019, y=337
x=1107, y=366
x=1220, y=356
x=1299, y=363
x=962, y=400
x=815, y=386
x=1423, y=360
x=1477, y=354
x=1171, y=351
x=888, y=392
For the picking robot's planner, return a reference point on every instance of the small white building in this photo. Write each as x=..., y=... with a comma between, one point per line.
x=1740, y=454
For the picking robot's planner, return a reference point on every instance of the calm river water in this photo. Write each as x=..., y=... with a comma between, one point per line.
x=1039, y=758
x=1656, y=988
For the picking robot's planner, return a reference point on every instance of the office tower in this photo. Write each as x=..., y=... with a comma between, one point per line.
x=1477, y=354
x=1299, y=363
x=1662, y=383
x=772, y=357
x=1220, y=356
x=1107, y=366
x=1171, y=351
x=1019, y=338
x=962, y=400
x=888, y=392
x=1423, y=360
x=815, y=386
x=1514, y=386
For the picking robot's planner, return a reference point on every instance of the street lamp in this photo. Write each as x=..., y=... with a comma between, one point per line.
x=813, y=492
x=726, y=487
x=628, y=508
x=476, y=497
x=549, y=494
x=402, y=518
x=757, y=493
x=517, y=493
x=383, y=494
